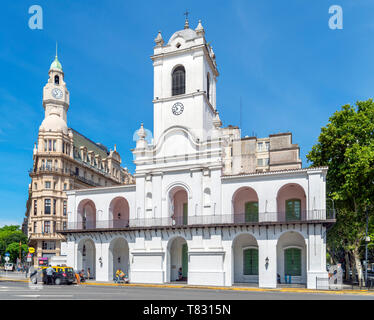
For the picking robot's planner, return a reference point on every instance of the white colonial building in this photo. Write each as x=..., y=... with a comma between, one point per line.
x=223, y=208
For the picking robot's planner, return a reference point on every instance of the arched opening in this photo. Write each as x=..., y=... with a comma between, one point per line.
x=119, y=213
x=148, y=201
x=179, y=81
x=291, y=203
x=245, y=259
x=178, y=259
x=245, y=205
x=178, y=206
x=118, y=257
x=87, y=257
x=86, y=215
x=57, y=80
x=291, y=258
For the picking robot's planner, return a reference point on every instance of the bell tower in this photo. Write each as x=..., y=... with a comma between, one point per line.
x=55, y=94
x=185, y=76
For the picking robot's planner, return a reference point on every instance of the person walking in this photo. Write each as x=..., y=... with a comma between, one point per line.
x=88, y=273
x=49, y=273
x=77, y=277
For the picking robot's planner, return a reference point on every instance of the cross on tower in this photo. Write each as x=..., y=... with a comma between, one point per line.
x=186, y=14
x=186, y=25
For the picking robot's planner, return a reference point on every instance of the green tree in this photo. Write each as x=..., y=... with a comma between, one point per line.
x=346, y=146
x=13, y=250
x=9, y=235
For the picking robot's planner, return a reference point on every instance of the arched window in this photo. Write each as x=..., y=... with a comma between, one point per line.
x=179, y=81
x=208, y=86
x=207, y=197
x=149, y=201
x=57, y=80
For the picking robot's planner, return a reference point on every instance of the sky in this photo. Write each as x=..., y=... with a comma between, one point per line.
x=290, y=71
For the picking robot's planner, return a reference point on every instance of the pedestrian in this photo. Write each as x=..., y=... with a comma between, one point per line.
x=81, y=275
x=88, y=273
x=77, y=277
x=49, y=273
x=180, y=274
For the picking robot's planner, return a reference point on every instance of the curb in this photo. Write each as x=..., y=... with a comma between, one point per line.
x=284, y=290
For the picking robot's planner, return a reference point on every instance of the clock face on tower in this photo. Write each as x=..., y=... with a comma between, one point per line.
x=177, y=108
x=57, y=93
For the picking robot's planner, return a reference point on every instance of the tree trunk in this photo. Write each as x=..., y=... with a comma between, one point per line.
x=353, y=267
x=347, y=266
x=356, y=256
x=332, y=257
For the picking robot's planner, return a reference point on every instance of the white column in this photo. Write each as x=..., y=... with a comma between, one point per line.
x=228, y=264
x=72, y=254
x=316, y=256
x=102, y=269
x=267, y=248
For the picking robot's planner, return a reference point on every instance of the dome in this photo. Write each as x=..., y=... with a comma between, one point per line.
x=56, y=65
x=54, y=123
x=186, y=34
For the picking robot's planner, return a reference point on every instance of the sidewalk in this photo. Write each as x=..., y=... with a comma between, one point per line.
x=240, y=287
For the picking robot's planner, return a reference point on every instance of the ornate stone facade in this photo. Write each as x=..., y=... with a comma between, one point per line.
x=64, y=159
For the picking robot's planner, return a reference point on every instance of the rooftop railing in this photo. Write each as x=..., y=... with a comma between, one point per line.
x=228, y=219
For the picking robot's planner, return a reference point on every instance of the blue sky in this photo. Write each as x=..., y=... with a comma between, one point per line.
x=279, y=57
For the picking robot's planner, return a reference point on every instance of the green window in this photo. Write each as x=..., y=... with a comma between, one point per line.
x=292, y=262
x=185, y=213
x=293, y=210
x=251, y=212
x=250, y=262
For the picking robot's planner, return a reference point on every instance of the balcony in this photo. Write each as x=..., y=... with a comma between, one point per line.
x=266, y=218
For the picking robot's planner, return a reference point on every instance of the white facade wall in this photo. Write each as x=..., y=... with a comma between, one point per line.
x=214, y=254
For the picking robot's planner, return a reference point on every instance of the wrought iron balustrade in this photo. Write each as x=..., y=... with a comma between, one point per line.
x=226, y=219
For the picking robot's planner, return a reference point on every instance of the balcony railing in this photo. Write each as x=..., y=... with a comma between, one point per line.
x=229, y=219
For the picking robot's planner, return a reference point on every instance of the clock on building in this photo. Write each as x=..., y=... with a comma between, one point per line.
x=57, y=93
x=177, y=108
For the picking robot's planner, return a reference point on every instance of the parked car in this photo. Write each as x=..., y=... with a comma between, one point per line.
x=9, y=267
x=61, y=275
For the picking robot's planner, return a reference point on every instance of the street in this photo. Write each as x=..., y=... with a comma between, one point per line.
x=24, y=291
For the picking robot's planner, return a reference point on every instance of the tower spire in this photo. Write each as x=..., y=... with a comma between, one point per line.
x=56, y=64
x=186, y=24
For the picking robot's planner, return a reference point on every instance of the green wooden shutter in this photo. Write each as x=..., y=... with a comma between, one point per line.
x=251, y=212
x=185, y=213
x=293, y=210
x=292, y=262
x=250, y=262
x=246, y=262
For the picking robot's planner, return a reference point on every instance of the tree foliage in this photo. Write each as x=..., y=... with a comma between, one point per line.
x=10, y=237
x=346, y=146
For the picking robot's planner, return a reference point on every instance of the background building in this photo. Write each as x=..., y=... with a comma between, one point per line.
x=63, y=159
